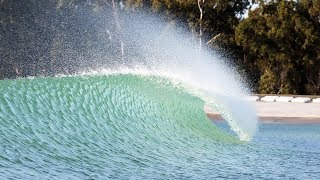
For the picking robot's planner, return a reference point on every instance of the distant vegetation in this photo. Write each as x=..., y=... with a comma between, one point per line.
x=277, y=46
x=281, y=46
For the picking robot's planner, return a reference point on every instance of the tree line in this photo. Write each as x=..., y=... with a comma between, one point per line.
x=277, y=45
x=281, y=46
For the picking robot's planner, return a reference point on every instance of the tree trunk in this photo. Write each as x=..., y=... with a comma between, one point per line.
x=118, y=26
x=200, y=23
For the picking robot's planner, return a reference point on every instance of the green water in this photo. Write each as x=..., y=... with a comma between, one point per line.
x=129, y=127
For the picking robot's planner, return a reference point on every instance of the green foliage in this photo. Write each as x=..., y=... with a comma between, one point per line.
x=282, y=38
x=268, y=82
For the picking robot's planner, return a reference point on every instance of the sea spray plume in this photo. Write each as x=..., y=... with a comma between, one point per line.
x=167, y=50
x=80, y=38
x=158, y=48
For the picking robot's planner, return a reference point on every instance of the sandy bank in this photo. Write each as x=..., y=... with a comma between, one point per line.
x=275, y=112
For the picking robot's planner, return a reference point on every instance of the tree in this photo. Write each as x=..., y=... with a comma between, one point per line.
x=283, y=36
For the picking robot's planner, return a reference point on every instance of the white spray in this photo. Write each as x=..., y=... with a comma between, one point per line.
x=154, y=47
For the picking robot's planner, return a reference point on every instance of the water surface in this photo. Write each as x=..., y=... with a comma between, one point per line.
x=128, y=126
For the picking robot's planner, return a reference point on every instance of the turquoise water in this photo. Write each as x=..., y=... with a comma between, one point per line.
x=132, y=127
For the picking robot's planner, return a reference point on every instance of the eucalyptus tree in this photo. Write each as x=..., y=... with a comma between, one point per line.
x=280, y=40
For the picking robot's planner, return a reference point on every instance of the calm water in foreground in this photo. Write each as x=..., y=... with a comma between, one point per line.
x=281, y=151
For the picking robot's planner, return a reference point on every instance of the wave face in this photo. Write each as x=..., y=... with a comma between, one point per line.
x=115, y=126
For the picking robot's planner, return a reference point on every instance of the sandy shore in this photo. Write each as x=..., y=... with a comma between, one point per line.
x=275, y=112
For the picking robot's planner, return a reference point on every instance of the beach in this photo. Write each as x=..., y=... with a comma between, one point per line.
x=277, y=112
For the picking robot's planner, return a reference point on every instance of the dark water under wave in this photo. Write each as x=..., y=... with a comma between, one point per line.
x=129, y=126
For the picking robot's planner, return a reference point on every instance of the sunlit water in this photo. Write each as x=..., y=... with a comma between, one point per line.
x=130, y=126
